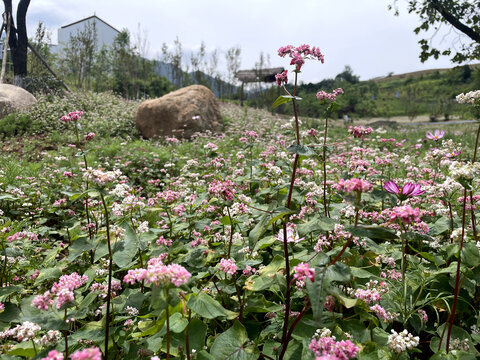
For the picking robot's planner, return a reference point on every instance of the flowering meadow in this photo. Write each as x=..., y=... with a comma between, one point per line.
x=275, y=239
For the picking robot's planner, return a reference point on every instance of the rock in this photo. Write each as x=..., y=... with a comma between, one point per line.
x=14, y=98
x=180, y=113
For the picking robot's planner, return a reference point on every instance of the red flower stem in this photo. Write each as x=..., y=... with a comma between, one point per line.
x=294, y=324
x=231, y=233
x=285, y=338
x=325, y=167
x=457, y=279
x=187, y=339
x=168, y=324
x=349, y=241
x=472, y=213
x=110, y=268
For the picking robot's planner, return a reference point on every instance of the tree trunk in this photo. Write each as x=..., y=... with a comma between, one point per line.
x=18, y=40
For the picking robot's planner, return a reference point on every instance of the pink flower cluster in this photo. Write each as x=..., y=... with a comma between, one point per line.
x=281, y=78
x=89, y=136
x=301, y=272
x=225, y=189
x=159, y=274
x=406, y=214
x=72, y=116
x=359, y=131
x=87, y=354
x=227, y=266
x=327, y=346
x=323, y=95
x=21, y=235
x=53, y=355
x=353, y=185
x=101, y=177
x=63, y=290
x=300, y=54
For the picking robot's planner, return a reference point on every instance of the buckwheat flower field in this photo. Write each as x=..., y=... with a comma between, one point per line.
x=276, y=239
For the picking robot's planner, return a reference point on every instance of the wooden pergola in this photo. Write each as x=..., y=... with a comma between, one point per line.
x=257, y=75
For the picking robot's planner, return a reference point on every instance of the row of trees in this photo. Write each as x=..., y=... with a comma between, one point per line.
x=124, y=67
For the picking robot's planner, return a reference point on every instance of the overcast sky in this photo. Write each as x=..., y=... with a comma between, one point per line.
x=361, y=33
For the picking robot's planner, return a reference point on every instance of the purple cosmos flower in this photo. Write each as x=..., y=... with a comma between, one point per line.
x=437, y=135
x=408, y=190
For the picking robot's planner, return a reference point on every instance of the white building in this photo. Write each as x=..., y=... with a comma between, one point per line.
x=106, y=33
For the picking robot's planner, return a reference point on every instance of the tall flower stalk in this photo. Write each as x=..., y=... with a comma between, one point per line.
x=298, y=55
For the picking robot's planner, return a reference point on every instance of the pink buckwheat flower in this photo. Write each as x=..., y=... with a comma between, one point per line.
x=353, y=185
x=325, y=346
x=359, y=131
x=159, y=274
x=281, y=78
x=53, y=355
x=89, y=136
x=300, y=54
x=227, y=266
x=225, y=188
x=302, y=271
x=323, y=95
x=93, y=353
x=406, y=214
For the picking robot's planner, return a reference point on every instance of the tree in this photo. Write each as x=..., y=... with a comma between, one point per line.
x=463, y=16
x=41, y=43
x=78, y=55
x=233, y=64
x=17, y=40
x=347, y=75
x=124, y=65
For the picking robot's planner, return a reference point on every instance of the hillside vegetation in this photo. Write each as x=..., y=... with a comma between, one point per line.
x=430, y=93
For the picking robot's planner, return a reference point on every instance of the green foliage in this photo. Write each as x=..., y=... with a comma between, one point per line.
x=14, y=125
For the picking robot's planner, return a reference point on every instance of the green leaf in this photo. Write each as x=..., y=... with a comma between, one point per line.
x=283, y=99
x=301, y=150
x=178, y=323
x=319, y=223
x=78, y=247
x=259, y=283
x=233, y=344
x=265, y=243
x=206, y=306
x=316, y=293
x=23, y=349
x=11, y=313
x=439, y=227
x=337, y=272
x=225, y=220
x=48, y=273
x=372, y=232
x=470, y=255
x=265, y=221
x=8, y=290
x=277, y=263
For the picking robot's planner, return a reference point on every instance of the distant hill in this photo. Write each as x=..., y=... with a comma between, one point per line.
x=415, y=74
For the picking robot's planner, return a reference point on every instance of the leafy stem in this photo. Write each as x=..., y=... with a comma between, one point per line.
x=110, y=267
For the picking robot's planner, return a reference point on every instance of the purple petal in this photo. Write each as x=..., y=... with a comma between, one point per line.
x=391, y=187
x=408, y=188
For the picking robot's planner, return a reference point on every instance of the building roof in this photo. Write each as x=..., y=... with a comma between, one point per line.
x=88, y=18
x=263, y=75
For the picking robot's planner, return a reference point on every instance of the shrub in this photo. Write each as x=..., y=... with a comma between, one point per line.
x=15, y=124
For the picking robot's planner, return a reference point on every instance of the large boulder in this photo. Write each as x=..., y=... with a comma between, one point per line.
x=14, y=98
x=180, y=113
